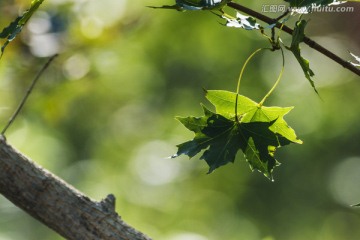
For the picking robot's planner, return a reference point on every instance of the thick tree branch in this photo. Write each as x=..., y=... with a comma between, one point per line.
x=288, y=30
x=57, y=204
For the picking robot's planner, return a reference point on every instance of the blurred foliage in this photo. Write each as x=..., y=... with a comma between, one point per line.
x=102, y=118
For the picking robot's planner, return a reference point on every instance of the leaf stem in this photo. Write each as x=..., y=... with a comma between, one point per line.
x=244, y=66
x=240, y=77
x=277, y=81
x=27, y=94
x=288, y=30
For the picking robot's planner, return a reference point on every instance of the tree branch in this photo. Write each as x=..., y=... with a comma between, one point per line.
x=288, y=30
x=28, y=92
x=57, y=204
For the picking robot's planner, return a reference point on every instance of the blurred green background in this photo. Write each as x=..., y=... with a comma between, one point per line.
x=102, y=118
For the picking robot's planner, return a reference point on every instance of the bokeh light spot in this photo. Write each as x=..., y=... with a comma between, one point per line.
x=152, y=165
x=187, y=236
x=76, y=67
x=344, y=181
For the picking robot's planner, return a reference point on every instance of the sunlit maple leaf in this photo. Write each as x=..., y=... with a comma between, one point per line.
x=258, y=131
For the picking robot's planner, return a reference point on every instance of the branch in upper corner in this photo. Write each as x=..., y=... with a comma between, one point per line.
x=288, y=30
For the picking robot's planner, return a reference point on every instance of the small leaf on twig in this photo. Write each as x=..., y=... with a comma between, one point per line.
x=241, y=21
x=15, y=27
x=357, y=59
x=297, y=38
x=195, y=5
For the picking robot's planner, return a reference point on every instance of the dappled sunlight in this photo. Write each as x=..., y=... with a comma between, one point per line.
x=339, y=225
x=343, y=181
x=44, y=45
x=153, y=166
x=40, y=23
x=42, y=36
x=91, y=27
x=76, y=67
x=30, y=139
x=187, y=236
x=107, y=11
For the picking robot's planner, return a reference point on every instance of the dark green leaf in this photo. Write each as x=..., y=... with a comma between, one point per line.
x=15, y=27
x=7, y=31
x=176, y=7
x=182, y=5
x=297, y=38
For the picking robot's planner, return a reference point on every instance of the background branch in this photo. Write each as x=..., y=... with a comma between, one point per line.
x=57, y=204
x=288, y=30
x=27, y=94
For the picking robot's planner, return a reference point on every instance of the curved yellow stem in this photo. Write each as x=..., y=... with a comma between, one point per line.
x=277, y=81
x=244, y=66
x=240, y=77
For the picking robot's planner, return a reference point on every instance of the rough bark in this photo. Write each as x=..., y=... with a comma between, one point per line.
x=56, y=204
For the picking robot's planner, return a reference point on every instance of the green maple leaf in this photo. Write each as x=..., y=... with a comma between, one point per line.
x=258, y=131
x=14, y=28
x=297, y=38
x=251, y=111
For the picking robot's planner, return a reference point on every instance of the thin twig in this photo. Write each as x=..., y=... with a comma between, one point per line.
x=27, y=94
x=306, y=40
x=282, y=16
